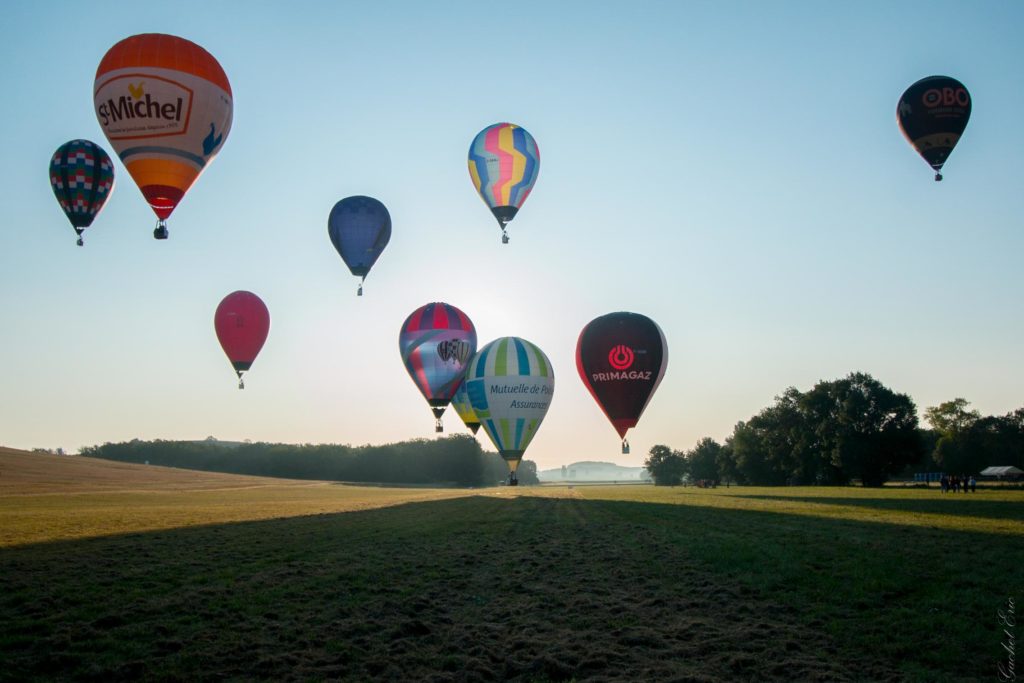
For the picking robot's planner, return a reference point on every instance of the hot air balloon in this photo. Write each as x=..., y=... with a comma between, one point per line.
x=359, y=228
x=933, y=114
x=621, y=358
x=503, y=163
x=82, y=178
x=165, y=105
x=436, y=342
x=464, y=409
x=242, y=323
x=510, y=383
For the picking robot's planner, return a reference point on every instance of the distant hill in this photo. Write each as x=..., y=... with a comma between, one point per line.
x=588, y=470
x=25, y=472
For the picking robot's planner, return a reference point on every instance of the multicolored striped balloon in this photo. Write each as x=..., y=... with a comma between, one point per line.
x=165, y=105
x=437, y=341
x=510, y=383
x=503, y=162
x=82, y=178
x=464, y=409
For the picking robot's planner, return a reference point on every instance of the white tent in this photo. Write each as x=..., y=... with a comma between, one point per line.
x=1003, y=471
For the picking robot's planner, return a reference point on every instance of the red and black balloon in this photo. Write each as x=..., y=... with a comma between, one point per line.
x=242, y=322
x=621, y=358
x=933, y=114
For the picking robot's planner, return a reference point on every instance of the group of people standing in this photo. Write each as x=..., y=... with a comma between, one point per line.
x=954, y=483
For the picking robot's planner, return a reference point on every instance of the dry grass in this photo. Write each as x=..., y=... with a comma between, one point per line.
x=986, y=511
x=256, y=579
x=48, y=498
x=24, y=473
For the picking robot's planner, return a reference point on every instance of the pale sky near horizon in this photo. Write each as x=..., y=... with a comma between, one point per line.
x=733, y=170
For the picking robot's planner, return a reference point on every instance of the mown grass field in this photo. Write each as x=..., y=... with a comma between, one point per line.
x=280, y=580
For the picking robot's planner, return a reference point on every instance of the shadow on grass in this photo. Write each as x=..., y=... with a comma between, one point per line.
x=530, y=589
x=958, y=504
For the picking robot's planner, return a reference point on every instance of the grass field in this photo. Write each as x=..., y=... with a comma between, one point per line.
x=247, y=578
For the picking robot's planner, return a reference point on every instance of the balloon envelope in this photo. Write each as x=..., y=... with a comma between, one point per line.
x=242, y=322
x=510, y=383
x=933, y=114
x=359, y=228
x=621, y=358
x=464, y=408
x=503, y=163
x=437, y=341
x=82, y=178
x=165, y=105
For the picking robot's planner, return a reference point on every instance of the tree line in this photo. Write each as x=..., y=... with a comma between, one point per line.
x=457, y=460
x=843, y=430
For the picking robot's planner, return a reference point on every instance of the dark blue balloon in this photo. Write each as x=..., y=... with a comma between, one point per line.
x=360, y=228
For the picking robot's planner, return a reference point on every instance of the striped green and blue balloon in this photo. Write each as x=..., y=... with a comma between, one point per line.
x=510, y=383
x=460, y=401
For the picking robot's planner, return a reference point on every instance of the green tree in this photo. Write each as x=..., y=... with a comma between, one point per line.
x=456, y=460
x=703, y=461
x=1012, y=430
x=750, y=454
x=773, y=447
x=527, y=473
x=727, y=463
x=667, y=467
x=991, y=441
x=951, y=417
x=866, y=430
x=954, y=423
x=968, y=443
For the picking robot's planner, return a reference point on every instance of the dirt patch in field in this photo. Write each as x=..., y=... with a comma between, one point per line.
x=473, y=589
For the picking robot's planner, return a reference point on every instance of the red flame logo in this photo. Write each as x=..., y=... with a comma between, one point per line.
x=620, y=357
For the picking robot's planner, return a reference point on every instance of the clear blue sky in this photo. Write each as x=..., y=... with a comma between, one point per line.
x=732, y=170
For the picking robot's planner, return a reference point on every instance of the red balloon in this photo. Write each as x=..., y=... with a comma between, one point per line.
x=242, y=322
x=621, y=358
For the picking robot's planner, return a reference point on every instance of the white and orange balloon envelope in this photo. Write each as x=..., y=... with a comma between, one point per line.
x=165, y=105
x=621, y=358
x=242, y=323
